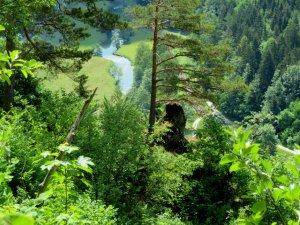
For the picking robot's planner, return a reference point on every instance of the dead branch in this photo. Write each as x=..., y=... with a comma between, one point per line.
x=43, y=186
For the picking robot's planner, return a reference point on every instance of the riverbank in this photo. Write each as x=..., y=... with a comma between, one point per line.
x=123, y=66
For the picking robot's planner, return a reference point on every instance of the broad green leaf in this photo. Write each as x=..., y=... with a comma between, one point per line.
x=20, y=219
x=2, y=28
x=294, y=169
x=6, y=78
x=265, y=178
x=282, y=179
x=46, y=167
x=65, y=163
x=294, y=191
x=49, y=164
x=67, y=148
x=14, y=55
x=257, y=217
x=259, y=206
x=18, y=64
x=84, y=163
x=45, y=154
x=292, y=222
x=86, y=182
x=247, y=197
x=237, y=132
x=277, y=194
x=238, y=147
x=228, y=159
x=34, y=64
x=24, y=72
x=297, y=159
x=236, y=166
x=267, y=165
x=245, y=135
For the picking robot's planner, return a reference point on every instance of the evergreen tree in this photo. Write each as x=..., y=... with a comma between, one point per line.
x=292, y=34
x=246, y=51
x=184, y=66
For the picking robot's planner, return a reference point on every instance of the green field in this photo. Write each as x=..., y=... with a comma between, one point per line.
x=97, y=69
x=129, y=50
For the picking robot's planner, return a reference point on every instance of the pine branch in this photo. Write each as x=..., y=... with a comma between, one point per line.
x=43, y=54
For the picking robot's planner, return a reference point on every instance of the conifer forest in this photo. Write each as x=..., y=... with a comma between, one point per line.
x=150, y=112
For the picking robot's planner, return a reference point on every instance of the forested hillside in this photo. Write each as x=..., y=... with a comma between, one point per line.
x=208, y=132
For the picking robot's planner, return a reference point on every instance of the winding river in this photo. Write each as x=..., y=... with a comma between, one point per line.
x=126, y=78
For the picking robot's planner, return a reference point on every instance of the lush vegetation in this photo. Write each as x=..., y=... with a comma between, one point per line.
x=209, y=133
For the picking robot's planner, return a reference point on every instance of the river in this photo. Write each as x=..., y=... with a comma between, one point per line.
x=126, y=78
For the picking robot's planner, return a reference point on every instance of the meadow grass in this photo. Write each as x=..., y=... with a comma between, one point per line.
x=97, y=70
x=129, y=50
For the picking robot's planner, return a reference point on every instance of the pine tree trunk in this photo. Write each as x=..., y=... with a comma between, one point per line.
x=154, y=71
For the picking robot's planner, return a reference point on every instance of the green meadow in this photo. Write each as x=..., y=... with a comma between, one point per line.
x=129, y=50
x=97, y=69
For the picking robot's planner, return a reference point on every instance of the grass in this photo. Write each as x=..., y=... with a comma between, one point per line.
x=129, y=50
x=97, y=69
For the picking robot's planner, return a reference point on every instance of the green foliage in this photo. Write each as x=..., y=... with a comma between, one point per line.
x=141, y=63
x=284, y=89
x=213, y=190
x=186, y=66
x=264, y=35
x=263, y=125
x=115, y=142
x=16, y=219
x=113, y=163
x=11, y=63
x=36, y=130
x=165, y=219
x=274, y=186
x=168, y=183
x=289, y=124
x=81, y=88
x=20, y=174
x=140, y=94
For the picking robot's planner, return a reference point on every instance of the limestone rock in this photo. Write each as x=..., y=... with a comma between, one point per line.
x=175, y=120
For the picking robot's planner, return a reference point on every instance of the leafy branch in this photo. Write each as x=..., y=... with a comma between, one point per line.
x=271, y=192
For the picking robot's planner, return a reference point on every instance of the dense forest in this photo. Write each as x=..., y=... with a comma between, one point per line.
x=151, y=112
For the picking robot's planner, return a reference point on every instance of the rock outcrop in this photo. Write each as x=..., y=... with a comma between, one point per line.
x=175, y=120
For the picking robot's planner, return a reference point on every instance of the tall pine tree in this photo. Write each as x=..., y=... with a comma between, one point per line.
x=185, y=66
